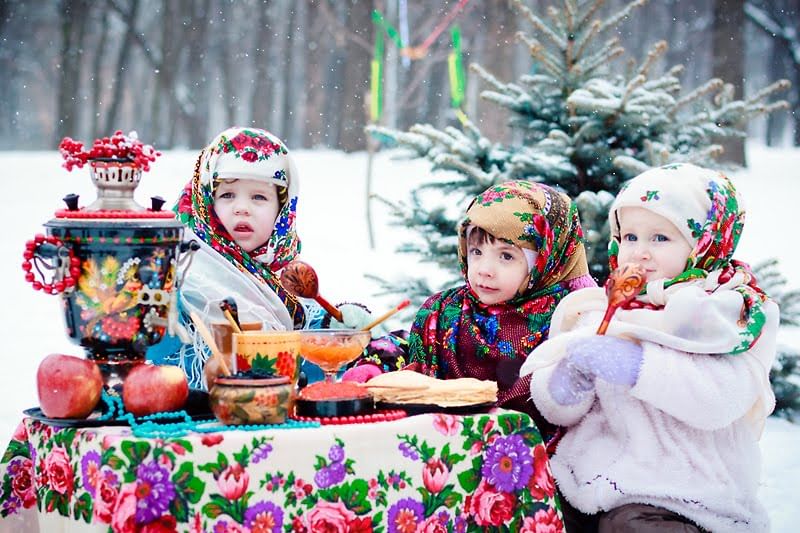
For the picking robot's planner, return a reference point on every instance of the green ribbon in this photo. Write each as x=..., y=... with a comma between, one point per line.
x=455, y=68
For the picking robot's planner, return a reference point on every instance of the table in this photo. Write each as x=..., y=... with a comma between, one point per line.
x=431, y=472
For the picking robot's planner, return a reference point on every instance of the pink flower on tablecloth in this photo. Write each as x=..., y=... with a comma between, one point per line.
x=544, y=521
x=445, y=424
x=21, y=433
x=433, y=524
x=223, y=526
x=489, y=507
x=197, y=524
x=233, y=481
x=123, y=519
x=22, y=482
x=434, y=475
x=541, y=483
x=165, y=461
x=106, y=493
x=330, y=517
x=59, y=470
x=212, y=439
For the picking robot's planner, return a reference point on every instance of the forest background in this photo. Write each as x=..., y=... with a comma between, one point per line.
x=179, y=71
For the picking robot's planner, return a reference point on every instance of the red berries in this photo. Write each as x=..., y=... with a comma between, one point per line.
x=118, y=146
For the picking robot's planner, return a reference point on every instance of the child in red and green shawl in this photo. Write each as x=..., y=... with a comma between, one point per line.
x=521, y=251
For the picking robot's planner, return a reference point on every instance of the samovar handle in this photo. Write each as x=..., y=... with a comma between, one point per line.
x=46, y=253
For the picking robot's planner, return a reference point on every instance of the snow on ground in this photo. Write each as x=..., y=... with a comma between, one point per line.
x=333, y=228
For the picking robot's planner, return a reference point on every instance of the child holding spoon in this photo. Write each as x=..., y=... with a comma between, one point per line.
x=240, y=206
x=664, y=412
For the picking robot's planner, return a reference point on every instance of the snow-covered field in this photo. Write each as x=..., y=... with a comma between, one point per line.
x=333, y=228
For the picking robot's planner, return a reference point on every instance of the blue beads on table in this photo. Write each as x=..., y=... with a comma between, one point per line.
x=153, y=426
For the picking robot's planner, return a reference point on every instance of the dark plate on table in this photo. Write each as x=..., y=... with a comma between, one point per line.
x=331, y=408
x=196, y=406
x=421, y=408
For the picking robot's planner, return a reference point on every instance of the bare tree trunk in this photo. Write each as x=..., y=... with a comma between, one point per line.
x=499, y=38
x=728, y=62
x=197, y=90
x=122, y=65
x=97, y=80
x=229, y=101
x=297, y=87
x=73, y=30
x=259, y=106
x=355, y=87
x=278, y=54
x=317, y=65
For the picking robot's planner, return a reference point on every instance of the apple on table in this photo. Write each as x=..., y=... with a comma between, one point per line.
x=68, y=386
x=152, y=389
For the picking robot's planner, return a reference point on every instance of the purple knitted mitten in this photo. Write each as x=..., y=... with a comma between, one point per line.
x=611, y=359
x=568, y=385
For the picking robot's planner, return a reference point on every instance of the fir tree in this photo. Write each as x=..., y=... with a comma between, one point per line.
x=583, y=127
x=579, y=126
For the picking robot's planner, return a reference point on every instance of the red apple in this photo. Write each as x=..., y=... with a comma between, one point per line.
x=151, y=389
x=68, y=386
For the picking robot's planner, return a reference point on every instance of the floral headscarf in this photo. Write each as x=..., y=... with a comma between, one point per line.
x=246, y=153
x=455, y=335
x=704, y=205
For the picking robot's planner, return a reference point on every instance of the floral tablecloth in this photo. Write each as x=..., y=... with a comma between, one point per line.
x=430, y=473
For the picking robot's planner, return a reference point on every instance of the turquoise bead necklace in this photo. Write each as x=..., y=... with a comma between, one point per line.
x=156, y=425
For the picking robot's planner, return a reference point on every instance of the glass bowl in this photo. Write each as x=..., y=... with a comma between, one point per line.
x=330, y=349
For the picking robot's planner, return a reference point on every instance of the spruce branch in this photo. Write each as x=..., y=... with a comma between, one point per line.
x=621, y=14
x=587, y=37
x=652, y=56
x=710, y=86
x=541, y=26
x=589, y=13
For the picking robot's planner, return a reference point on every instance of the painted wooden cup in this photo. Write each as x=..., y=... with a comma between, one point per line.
x=268, y=352
x=237, y=401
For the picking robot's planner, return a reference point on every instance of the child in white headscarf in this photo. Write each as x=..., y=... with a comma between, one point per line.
x=664, y=412
x=240, y=207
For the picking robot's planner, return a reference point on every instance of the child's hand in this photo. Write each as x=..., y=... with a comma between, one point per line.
x=568, y=385
x=354, y=316
x=611, y=359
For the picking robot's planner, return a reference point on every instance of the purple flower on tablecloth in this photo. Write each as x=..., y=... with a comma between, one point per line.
x=261, y=453
x=11, y=504
x=154, y=492
x=337, y=472
x=507, y=463
x=264, y=516
x=32, y=452
x=460, y=525
x=90, y=467
x=408, y=451
x=405, y=515
x=323, y=478
x=336, y=453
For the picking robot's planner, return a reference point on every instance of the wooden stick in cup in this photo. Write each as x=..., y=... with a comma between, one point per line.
x=386, y=315
x=226, y=311
x=209, y=339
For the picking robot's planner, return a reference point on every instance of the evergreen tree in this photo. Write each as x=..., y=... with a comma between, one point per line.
x=580, y=126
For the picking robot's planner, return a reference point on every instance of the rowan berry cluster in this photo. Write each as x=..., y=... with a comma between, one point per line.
x=121, y=147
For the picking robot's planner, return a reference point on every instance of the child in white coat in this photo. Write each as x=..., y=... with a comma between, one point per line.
x=664, y=413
